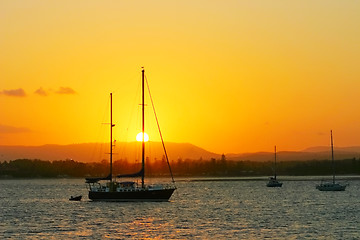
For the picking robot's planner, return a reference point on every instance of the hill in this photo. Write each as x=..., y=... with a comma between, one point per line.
x=313, y=153
x=94, y=152
x=352, y=149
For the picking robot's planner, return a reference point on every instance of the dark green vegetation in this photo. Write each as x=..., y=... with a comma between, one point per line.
x=25, y=168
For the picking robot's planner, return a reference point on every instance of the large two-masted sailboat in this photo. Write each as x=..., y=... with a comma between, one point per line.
x=110, y=189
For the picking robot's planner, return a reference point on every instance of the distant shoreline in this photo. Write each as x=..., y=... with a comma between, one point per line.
x=264, y=178
x=220, y=179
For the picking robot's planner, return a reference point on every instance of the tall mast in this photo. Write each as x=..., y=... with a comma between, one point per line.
x=275, y=162
x=111, y=144
x=143, y=130
x=332, y=156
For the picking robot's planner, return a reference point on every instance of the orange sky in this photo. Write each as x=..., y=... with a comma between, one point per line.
x=228, y=76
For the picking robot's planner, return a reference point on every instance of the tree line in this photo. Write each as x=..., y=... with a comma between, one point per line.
x=35, y=168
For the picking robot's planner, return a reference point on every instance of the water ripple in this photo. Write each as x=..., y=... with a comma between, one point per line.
x=39, y=209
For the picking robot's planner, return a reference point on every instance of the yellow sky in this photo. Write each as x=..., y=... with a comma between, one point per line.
x=228, y=76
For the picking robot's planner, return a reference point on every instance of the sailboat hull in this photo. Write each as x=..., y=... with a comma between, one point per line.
x=154, y=195
x=274, y=184
x=331, y=187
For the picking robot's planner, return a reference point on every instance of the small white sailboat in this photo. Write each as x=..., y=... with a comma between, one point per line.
x=273, y=182
x=331, y=186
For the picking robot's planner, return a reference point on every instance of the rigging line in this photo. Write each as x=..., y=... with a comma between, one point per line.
x=126, y=136
x=162, y=140
x=128, y=79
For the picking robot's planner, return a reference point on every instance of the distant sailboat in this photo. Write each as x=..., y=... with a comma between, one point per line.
x=331, y=186
x=273, y=182
x=113, y=190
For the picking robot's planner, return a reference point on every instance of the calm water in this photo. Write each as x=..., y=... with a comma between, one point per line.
x=39, y=209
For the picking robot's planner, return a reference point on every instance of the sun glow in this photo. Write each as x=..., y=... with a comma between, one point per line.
x=139, y=137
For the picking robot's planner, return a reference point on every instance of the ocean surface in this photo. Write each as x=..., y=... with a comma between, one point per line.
x=245, y=209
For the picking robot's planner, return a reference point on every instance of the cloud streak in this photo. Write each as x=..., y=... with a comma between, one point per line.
x=65, y=90
x=41, y=92
x=10, y=129
x=14, y=92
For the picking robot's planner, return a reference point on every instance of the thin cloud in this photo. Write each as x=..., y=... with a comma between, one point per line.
x=14, y=92
x=41, y=92
x=10, y=129
x=65, y=90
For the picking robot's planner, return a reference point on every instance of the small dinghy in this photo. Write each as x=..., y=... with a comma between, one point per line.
x=77, y=198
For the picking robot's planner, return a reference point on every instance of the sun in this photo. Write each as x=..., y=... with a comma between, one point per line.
x=139, y=137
